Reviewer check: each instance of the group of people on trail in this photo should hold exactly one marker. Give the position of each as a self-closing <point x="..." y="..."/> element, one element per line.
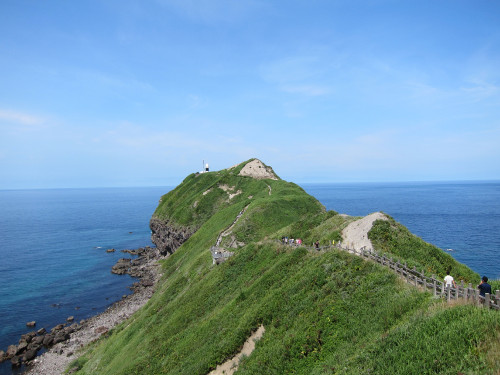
<point x="297" y="241"/>
<point x="483" y="287"/>
<point x="291" y="241"/>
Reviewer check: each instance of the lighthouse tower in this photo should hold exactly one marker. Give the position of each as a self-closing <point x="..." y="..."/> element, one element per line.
<point x="204" y="168"/>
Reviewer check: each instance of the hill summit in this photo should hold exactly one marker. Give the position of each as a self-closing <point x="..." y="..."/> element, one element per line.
<point x="256" y="169"/>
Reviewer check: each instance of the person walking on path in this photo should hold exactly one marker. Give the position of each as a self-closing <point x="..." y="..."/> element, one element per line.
<point x="449" y="281"/>
<point x="484" y="287"/>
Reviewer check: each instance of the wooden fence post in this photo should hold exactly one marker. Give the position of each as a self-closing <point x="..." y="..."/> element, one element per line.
<point x="487" y="300"/>
<point x="435" y="287"/>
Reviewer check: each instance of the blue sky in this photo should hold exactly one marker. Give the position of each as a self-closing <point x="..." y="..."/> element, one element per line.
<point x="139" y="93"/>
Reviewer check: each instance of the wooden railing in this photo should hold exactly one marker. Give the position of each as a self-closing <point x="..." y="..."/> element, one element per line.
<point x="417" y="278"/>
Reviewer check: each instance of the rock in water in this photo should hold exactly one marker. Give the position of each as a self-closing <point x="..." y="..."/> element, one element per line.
<point x="122" y="266"/>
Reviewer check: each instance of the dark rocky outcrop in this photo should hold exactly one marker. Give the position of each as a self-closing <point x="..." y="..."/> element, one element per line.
<point x="11" y="351"/>
<point x="30" y="343"/>
<point x="29" y="355"/>
<point x="166" y="236"/>
<point x="122" y="266"/>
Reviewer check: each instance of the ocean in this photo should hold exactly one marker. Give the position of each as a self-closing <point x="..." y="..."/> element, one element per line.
<point x="53" y="242"/>
<point x="53" y="255"/>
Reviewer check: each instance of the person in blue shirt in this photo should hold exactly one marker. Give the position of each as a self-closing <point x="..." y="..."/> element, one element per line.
<point x="484" y="287"/>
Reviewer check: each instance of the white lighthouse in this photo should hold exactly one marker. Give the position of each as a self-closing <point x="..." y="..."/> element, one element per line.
<point x="205" y="167"/>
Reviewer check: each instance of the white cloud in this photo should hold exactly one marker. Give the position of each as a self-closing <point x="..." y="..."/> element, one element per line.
<point x="480" y="90"/>
<point x="20" y="117"/>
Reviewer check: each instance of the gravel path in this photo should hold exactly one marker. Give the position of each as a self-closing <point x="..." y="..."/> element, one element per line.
<point x="355" y="235"/>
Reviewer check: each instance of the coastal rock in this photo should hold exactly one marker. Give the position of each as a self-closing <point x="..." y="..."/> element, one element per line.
<point x="57" y="328"/>
<point x="29" y="355"/>
<point x="31" y="324"/>
<point x="48" y="340"/>
<point x="110" y="250"/>
<point x="139" y="261"/>
<point x="122" y="266"/>
<point x="36" y="342"/>
<point x="2" y="356"/>
<point x="41" y="331"/>
<point x="147" y="283"/>
<point x="70" y="318"/>
<point x="34" y="346"/>
<point x="101" y="330"/>
<point x="21" y="347"/>
<point x="27" y="337"/>
<point x="16" y="361"/>
<point x="60" y="337"/>
<point x="136" y="272"/>
<point x="166" y="237"/>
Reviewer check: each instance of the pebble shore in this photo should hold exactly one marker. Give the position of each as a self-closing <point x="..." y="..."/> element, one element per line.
<point x="56" y="360"/>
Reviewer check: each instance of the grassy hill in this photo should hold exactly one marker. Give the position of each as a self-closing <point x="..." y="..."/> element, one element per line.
<point x="324" y="312"/>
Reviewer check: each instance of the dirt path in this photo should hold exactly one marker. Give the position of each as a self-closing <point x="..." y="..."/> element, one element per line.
<point x="355" y="235"/>
<point x="231" y="365"/>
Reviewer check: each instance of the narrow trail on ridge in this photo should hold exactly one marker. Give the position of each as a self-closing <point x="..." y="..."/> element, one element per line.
<point x="229" y="229"/>
<point x="355" y="235"/>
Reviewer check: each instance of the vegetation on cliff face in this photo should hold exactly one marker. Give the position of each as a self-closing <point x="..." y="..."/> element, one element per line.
<point x="394" y="239"/>
<point x="324" y="313"/>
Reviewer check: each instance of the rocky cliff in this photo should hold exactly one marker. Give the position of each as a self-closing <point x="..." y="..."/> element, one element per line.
<point x="166" y="236"/>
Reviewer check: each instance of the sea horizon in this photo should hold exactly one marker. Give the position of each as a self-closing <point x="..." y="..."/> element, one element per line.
<point x="300" y="183"/>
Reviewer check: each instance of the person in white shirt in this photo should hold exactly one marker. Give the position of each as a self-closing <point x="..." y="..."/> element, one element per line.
<point x="449" y="281"/>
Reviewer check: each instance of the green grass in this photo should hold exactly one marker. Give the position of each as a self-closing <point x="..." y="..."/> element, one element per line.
<point x="324" y="313"/>
<point x="395" y="240"/>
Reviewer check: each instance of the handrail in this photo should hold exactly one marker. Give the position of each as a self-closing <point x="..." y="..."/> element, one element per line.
<point x="417" y="278"/>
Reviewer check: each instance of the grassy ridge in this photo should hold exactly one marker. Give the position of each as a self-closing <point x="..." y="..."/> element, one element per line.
<point x="394" y="239"/>
<point x="324" y="313"/>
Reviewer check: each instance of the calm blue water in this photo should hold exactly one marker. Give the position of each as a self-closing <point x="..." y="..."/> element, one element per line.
<point x="463" y="216"/>
<point x="53" y="242"/>
<point x="53" y="252"/>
